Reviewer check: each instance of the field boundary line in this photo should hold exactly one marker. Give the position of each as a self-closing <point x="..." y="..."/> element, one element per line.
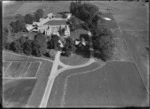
<point x="133" y="60"/>
<point x="16" y="78"/>
<point x="134" y="30"/>
<point x="38" y="68"/>
<point x="121" y="61"/>
<point x="27" y="69"/>
<point x="45" y="59"/>
<point x="71" y="75"/>
<point x="6" y="61"/>
<point x="8" y="66"/>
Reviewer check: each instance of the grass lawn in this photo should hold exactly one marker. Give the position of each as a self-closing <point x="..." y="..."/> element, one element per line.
<point x="111" y="24"/>
<point x="17" y="92"/>
<point x="76" y="34"/>
<point x="121" y="51"/>
<point x="74" y="59"/>
<point x="106" y="86"/>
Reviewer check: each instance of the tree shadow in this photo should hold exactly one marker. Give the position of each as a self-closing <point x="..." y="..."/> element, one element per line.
<point x="85" y="37"/>
<point x="83" y="52"/>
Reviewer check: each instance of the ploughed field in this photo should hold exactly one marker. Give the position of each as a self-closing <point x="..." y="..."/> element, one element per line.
<point x="24" y="80"/>
<point x="114" y="84"/>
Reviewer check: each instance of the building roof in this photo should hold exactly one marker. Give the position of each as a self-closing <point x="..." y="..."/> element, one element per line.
<point x="56" y="22"/>
<point x="29" y="27"/>
<point x="44" y="21"/>
<point x="61" y="44"/>
<point x="77" y="42"/>
<point x="43" y="27"/>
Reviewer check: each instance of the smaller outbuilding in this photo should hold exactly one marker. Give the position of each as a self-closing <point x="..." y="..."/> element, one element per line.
<point x="29" y="27"/>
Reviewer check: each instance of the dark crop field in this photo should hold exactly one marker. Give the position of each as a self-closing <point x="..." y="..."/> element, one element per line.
<point x="115" y="84"/>
<point x="17" y="92"/>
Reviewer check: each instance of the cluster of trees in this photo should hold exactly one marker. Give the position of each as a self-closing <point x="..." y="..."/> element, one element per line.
<point x="34" y="47"/>
<point x="19" y="24"/>
<point x="102" y="38"/>
<point x="85" y="12"/>
<point x="103" y="44"/>
<point x="40" y="45"/>
<point x="69" y="47"/>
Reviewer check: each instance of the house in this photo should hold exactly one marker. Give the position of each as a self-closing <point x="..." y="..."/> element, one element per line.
<point x="55" y="27"/>
<point x="79" y="43"/>
<point x="69" y="15"/>
<point x="50" y="26"/>
<point x="50" y="15"/>
<point x="61" y="44"/>
<point x="29" y="27"/>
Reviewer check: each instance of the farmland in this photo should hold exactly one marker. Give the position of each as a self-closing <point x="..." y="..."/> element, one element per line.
<point x="57" y="90"/>
<point x="99" y="86"/>
<point x="17" y="92"/>
<point x="26" y="75"/>
<point x="76" y="81"/>
<point x="106" y="86"/>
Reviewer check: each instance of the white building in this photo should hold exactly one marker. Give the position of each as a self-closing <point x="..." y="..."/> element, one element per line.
<point x="49" y="26"/>
<point x="29" y="27"/>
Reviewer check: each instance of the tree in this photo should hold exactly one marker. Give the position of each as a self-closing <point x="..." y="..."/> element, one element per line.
<point x="38" y="14"/>
<point x="85" y="11"/>
<point x="27" y="47"/>
<point x="74" y="23"/>
<point x="72" y="7"/>
<point x="103" y="46"/>
<point x="39" y="44"/>
<point x="36" y="49"/>
<point x="29" y="18"/>
<point x="18" y="25"/>
<point x="69" y="46"/>
<point x="53" y="43"/>
<point x="16" y="46"/>
<point x="5" y="36"/>
<point x="19" y="17"/>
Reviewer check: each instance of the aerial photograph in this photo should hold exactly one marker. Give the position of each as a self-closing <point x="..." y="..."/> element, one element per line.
<point x="77" y="53"/>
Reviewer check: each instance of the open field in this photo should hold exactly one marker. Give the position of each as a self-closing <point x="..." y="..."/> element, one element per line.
<point x="31" y="67"/>
<point x="105" y="86"/>
<point x="121" y="51"/>
<point x="7" y="56"/>
<point x="17" y="92"/>
<point x="56" y="95"/>
<point x="110" y="24"/>
<point x="138" y="51"/>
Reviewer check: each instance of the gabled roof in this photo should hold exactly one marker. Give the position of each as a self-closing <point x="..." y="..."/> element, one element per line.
<point x="29" y="27"/>
<point x="56" y="22"/>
